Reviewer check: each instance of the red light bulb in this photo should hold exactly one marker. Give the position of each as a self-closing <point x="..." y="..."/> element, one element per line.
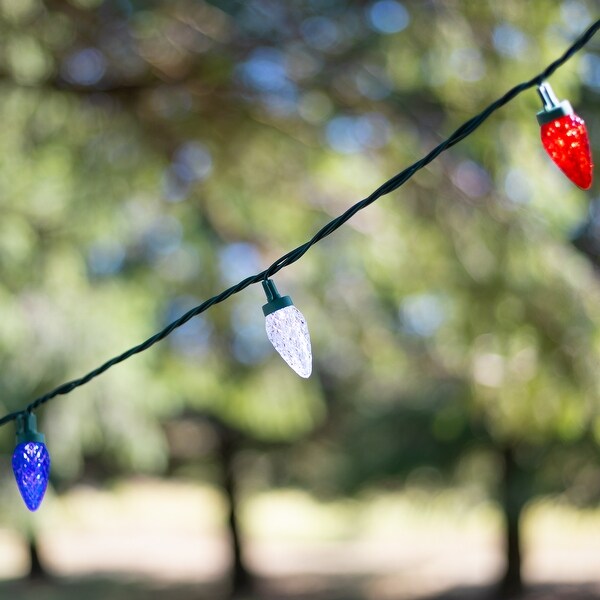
<point x="565" y="138"/>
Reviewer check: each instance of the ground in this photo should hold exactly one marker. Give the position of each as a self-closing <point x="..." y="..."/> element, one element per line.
<point x="288" y="589"/>
<point x="150" y="539"/>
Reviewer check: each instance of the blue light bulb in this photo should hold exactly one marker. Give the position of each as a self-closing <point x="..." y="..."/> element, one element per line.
<point x="30" y="462"/>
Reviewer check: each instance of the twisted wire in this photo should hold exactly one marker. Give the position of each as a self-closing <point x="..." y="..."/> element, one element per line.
<point x="291" y="257"/>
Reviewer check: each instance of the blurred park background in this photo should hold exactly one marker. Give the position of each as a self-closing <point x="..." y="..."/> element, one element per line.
<point x="153" y="153"/>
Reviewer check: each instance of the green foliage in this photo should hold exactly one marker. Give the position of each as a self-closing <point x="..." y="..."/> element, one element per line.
<point x="154" y="153"/>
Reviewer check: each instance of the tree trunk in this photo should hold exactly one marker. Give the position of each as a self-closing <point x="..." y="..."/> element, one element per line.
<point x="241" y="578"/>
<point x="36" y="570"/>
<point x="511" y="584"/>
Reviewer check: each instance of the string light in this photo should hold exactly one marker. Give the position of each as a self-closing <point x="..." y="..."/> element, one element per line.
<point x="287" y="330"/>
<point x="565" y="138"/>
<point x="30" y="461"/>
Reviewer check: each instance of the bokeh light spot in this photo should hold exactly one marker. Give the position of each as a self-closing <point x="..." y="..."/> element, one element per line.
<point x="85" y="67"/>
<point x="388" y="16"/>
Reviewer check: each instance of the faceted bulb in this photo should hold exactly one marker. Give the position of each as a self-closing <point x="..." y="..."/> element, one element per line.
<point x="31" y="466"/>
<point x="288" y="332"/>
<point x="566" y="141"/>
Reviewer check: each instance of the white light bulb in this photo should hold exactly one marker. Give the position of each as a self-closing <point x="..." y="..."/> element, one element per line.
<point x="287" y="330"/>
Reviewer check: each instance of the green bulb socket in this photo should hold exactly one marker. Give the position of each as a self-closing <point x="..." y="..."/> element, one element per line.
<point x="275" y="300"/>
<point x="553" y="108"/>
<point x="27" y="429"/>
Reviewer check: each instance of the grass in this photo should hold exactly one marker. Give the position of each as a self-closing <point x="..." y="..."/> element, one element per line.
<point x="150" y="539"/>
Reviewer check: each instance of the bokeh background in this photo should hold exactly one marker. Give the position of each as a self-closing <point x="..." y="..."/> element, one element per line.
<point x="153" y="153"/>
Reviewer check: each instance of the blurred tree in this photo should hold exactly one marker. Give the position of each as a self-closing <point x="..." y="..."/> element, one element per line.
<point x="154" y="153"/>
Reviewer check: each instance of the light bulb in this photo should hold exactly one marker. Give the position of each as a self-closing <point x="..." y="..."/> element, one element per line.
<point x="565" y="138"/>
<point x="287" y="330"/>
<point x="30" y="462"/>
